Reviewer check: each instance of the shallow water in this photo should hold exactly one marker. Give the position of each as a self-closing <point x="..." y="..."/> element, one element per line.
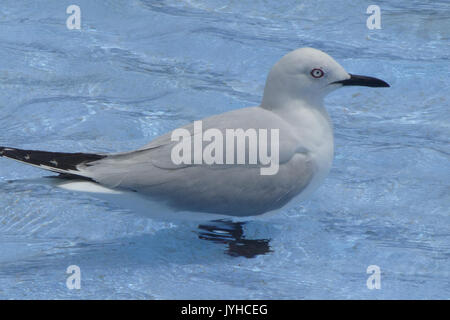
<point x="137" y="69"/>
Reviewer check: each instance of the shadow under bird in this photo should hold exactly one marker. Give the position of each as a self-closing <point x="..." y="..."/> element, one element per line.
<point x="154" y="184"/>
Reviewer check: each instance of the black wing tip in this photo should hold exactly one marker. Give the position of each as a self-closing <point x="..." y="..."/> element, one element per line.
<point x="4" y="150"/>
<point x="56" y="160"/>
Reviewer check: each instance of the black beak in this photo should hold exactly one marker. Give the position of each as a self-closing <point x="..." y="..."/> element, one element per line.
<point x="356" y="80"/>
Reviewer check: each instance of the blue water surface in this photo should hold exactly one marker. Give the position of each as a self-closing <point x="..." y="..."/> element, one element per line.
<point x="138" y="68"/>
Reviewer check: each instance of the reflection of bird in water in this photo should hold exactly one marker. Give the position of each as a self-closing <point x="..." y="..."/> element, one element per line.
<point x="232" y="234"/>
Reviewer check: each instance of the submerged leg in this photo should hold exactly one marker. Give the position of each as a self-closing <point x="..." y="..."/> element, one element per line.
<point x="232" y="234"/>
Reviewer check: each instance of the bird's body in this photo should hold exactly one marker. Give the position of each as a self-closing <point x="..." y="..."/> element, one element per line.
<point x="305" y="150"/>
<point x="237" y="190"/>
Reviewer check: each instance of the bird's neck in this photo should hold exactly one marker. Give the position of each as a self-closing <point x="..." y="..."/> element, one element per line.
<point x="294" y="105"/>
<point x="309" y="121"/>
<point x="290" y="109"/>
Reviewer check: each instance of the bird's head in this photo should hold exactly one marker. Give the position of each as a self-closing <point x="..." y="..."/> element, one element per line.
<point x="308" y="75"/>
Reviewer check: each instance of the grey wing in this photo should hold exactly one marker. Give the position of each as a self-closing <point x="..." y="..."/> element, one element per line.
<point x="228" y="189"/>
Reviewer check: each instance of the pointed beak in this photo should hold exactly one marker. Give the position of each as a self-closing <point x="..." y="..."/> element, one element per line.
<point x="356" y="80"/>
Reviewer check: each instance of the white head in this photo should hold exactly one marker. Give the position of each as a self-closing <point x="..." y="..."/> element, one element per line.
<point x="308" y="75"/>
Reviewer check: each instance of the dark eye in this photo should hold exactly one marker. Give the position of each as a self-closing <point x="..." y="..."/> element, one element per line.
<point x="317" y="73"/>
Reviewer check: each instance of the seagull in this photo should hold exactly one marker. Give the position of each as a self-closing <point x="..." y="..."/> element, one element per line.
<point x="292" y="104"/>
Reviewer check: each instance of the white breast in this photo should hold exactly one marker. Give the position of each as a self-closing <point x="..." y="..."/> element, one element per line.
<point x="314" y="131"/>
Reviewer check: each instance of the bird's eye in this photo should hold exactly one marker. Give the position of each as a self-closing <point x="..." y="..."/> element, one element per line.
<point x="317" y="73"/>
